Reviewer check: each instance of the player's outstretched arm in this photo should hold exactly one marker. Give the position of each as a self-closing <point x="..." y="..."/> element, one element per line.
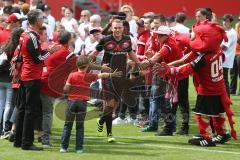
<point x="133" y="57"/>
<point x="115" y="74"/>
<point x="164" y="70"/>
<point x="103" y="68"/>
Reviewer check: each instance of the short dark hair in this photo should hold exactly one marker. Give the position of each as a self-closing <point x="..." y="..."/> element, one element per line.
<point x="33" y="15"/>
<point x="228" y="17"/>
<point x="40" y="6"/>
<point x="203" y="11"/>
<point x="170" y="19"/>
<point x="209" y="15"/>
<point x="181" y="17"/>
<point x="16" y="10"/>
<point x="64" y="37"/>
<point x="7" y="10"/>
<point x="82" y="61"/>
<point x="161" y="17"/>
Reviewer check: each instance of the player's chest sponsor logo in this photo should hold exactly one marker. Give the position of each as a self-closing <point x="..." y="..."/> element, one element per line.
<point x="125" y="45"/>
<point x="110" y="45"/>
<point x="117" y="47"/>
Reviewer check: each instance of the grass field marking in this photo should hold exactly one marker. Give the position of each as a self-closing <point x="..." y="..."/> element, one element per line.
<point x="159" y="145"/>
<point x="181" y="148"/>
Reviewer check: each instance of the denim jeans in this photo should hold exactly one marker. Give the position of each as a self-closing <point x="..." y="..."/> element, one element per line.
<point x="47" y="113"/>
<point x="157" y="100"/>
<point x="76" y="109"/>
<point x="6" y="93"/>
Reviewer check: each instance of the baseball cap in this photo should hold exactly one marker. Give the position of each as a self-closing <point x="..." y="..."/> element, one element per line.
<point x="14" y="17"/>
<point x="121" y="16"/>
<point x="93" y="30"/>
<point x="140" y="22"/>
<point x="164" y="30"/>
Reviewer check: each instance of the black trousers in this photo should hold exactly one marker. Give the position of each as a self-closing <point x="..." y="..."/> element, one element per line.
<point x="225" y="76"/>
<point x="27" y="112"/>
<point x="170" y="108"/>
<point x="183" y="100"/>
<point x="235" y="74"/>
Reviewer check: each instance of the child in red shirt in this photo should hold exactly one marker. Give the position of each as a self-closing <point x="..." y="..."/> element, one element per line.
<point x="77" y="90"/>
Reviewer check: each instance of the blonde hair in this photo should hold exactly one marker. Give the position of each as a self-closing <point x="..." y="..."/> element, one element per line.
<point x="128" y="7"/>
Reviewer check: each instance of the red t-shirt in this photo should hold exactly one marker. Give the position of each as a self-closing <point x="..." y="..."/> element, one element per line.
<point x="51" y="63"/>
<point x="153" y="43"/>
<point x="141" y="43"/>
<point x="169" y="51"/>
<point x="209" y="78"/>
<point x="4" y="35"/>
<point x="80" y="85"/>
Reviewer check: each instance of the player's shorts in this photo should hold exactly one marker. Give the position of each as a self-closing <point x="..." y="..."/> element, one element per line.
<point x="112" y="88"/>
<point x="122" y="89"/>
<point x="209" y="105"/>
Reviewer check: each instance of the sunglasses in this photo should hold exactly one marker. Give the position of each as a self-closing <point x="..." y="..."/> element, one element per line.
<point x="84" y="15"/>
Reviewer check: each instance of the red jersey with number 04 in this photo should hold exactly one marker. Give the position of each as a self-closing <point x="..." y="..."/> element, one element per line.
<point x="210" y="77"/>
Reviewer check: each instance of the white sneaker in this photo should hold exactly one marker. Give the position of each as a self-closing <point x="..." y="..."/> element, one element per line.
<point x="118" y="121"/>
<point x="5" y="135"/>
<point x="79" y="151"/>
<point x="92" y="101"/>
<point x="62" y="150"/>
<point x="132" y="121"/>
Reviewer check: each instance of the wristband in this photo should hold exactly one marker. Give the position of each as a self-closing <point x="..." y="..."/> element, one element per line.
<point x="150" y="62"/>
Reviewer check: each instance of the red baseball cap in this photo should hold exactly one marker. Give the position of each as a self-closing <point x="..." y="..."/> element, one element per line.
<point x="14" y="17"/>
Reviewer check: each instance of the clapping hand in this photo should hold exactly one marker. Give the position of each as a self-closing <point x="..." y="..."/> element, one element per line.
<point x="161" y="69"/>
<point x="116" y="73"/>
<point x="105" y="68"/>
<point x="144" y="65"/>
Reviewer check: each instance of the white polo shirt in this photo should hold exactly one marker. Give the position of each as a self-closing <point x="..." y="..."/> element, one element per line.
<point x="231" y="48"/>
<point x="180" y="28"/>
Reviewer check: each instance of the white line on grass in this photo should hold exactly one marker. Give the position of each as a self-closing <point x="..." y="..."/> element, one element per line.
<point x="181" y="148"/>
<point x="161" y="146"/>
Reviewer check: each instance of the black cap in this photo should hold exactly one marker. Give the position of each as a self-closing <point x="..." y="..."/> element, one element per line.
<point x="140" y="22"/>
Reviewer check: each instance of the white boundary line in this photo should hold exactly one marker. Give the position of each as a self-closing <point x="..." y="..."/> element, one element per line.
<point x="181" y="148"/>
<point x="201" y="149"/>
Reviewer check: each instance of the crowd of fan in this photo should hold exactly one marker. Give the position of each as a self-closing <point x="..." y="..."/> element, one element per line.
<point x="81" y="38"/>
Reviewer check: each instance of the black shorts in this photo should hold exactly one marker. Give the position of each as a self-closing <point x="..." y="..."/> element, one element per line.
<point x="209" y="105"/>
<point x="112" y="88"/>
<point x="121" y="89"/>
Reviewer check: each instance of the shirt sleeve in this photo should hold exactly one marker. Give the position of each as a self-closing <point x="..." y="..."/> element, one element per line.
<point x="69" y="80"/>
<point x="140" y="47"/>
<point x="161" y="54"/>
<point x="189" y="57"/>
<point x="34" y="49"/>
<point x="100" y="45"/>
